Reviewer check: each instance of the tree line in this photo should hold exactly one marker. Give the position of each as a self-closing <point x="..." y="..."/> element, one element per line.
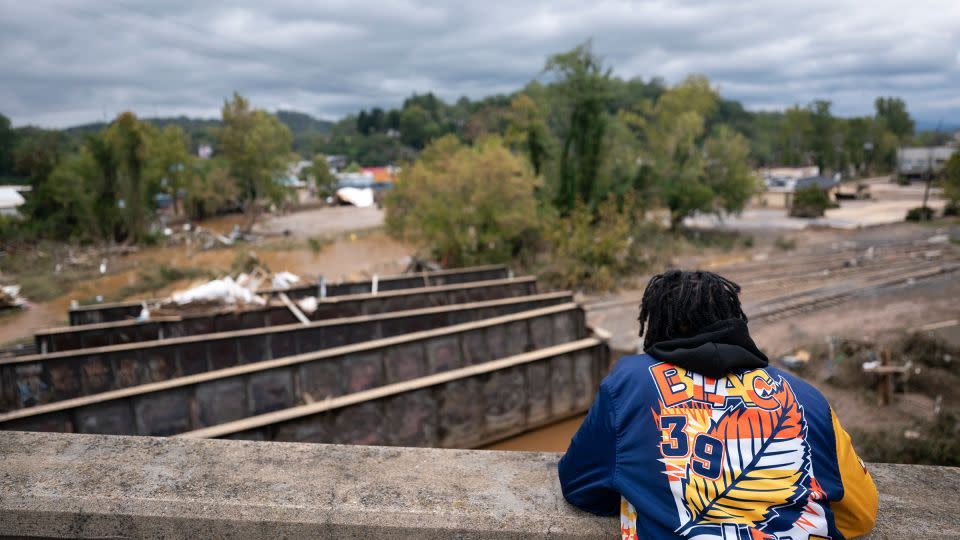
<point x="102" y="183"/>
<point x="565" y="172"/>
<point x="587" y="132"/>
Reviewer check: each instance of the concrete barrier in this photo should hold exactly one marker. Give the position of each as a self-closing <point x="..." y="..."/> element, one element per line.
<point x="205" y="399"/>
<point x="462" y="408"/>
<point x="276" y="313"/>
<point x="119" y="311"/>
<point x="94" y="486"/>
<point x="37" y="379"/>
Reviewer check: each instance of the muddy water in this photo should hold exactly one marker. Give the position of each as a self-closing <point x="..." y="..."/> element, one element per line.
<point x="552" y="438"/>
<point x="345" y="259"/>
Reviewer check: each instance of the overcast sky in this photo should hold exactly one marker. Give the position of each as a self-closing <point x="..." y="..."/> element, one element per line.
<point x="74" y="61"/>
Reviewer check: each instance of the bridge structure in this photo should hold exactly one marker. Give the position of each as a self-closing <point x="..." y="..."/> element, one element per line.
<point x="451" y="359"/>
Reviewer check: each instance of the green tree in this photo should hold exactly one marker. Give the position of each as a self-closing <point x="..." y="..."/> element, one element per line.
<point x="319" y="173"/>
<point x="691" y="173"/>
<point x="583" y="86"/>
<point x="951" y="178"/>
<point x="168" y="160"/>
<point x="795" y="135"/>
<point x="128" y="138"/>
<point x="68" y="191"/>
<point x="727" y="172"/>
<point x="257" y="147"/>
<point x="468" y="204"/>
<point x="528" y="131"/>
<point x="8" y="139"/>
<point x="821" y="134"/>
<point x="417" y="126"/>
<point x="209" y="187"/>
<point x="893" y="112"/>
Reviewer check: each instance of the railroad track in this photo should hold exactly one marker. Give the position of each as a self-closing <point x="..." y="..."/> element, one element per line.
<point x="781" y="289"/>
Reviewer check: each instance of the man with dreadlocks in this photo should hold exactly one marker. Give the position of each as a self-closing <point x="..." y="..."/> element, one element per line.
<point x="700" y="438"/>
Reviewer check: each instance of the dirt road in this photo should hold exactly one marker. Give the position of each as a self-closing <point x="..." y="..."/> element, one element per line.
<point x="323" y="221"/>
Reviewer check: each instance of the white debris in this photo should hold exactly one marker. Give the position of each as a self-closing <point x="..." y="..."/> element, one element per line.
<point x="284" y="280"/>
<point x="938" y="239"/>
<point x="308" y="304"/>
<point x="144" y="312"/>
<point x="224" y="290"/>
<point x="359" y="197"/>
<point x="10" y="297"/>
<point x="870" y="366"/>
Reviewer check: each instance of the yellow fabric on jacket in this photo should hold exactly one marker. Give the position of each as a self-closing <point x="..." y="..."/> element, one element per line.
<point x="856" y="512"/>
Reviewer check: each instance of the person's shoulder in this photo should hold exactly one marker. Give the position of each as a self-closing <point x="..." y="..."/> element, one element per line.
<point x="805" y="392"/>
<point x="628" y="369"/>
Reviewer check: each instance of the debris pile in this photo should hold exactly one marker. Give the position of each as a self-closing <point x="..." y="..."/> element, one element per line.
<point x="10" y="297"/>
<point x="225" y="292"/>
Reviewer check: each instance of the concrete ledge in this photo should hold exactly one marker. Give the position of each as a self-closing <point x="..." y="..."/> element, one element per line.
<point x="56" y="485"/>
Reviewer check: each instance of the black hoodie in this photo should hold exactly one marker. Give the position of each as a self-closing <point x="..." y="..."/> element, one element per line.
<point x="718" y="349"/>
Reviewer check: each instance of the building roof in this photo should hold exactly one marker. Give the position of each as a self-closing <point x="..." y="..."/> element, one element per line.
<point x="10" y="197"/>
<point x="823" y="182"/>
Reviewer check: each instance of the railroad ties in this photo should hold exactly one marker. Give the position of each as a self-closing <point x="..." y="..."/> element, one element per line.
<point x="456" y="363"/>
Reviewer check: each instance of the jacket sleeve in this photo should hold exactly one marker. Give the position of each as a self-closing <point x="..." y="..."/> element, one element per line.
<point x="587" y="469"/>
<point x="856" y="512"/>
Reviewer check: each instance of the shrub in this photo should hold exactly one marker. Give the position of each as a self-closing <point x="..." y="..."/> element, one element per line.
<point x="467" y="204"/>
<point x="920" y="213"/>
<point x="951" y="209"/>
<point x="809" y="202"/>
<point x="592" y="252"/>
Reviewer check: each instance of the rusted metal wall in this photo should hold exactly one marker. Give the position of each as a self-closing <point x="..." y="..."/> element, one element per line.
<point x="468" y="410"/>
<point x="33" y="380"/>
<point x="206" y="399"/>
<point x="116" y="333"/>
<point x="119" y="311"/>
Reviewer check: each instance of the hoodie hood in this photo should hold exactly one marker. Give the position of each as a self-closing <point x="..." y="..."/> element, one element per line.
<point x="720" y="348"/>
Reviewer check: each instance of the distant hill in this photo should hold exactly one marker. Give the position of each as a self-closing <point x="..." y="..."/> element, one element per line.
<point x="298" y="123"/>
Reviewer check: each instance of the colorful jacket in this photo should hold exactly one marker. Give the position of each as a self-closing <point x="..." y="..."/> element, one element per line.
<point x="735" y="450"/>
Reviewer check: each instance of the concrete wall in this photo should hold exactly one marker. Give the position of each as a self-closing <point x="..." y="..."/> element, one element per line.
<point x="119" y="311"/>
<point x="226" y="320"/>
<point x="206" y="399"/>
<point x="88" y="486"/>
<point x="36" y="379"/>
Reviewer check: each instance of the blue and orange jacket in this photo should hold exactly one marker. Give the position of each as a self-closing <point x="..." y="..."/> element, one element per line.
<point x="734" y="450"/>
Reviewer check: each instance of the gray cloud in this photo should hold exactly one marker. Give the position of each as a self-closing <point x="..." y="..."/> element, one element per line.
<point x="72" y="61"/>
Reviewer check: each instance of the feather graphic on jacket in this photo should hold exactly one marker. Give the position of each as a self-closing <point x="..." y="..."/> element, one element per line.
<point x="747" y="464"/>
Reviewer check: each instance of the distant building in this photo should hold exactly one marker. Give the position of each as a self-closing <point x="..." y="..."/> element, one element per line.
<point x="779" y="193"/>
<point x="783" y="174"/>
<point x="205" y="151"/>
<point x="337" y="161"/>
<point x="11" y="200"/>
<point x="917" y="162"/>
<point x="382" y="174"/>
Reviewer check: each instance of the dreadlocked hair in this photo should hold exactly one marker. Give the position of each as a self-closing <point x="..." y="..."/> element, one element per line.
<point x="679" y="304"/>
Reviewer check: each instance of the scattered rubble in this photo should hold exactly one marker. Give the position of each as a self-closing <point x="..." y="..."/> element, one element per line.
<point x="10" y="297"/>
